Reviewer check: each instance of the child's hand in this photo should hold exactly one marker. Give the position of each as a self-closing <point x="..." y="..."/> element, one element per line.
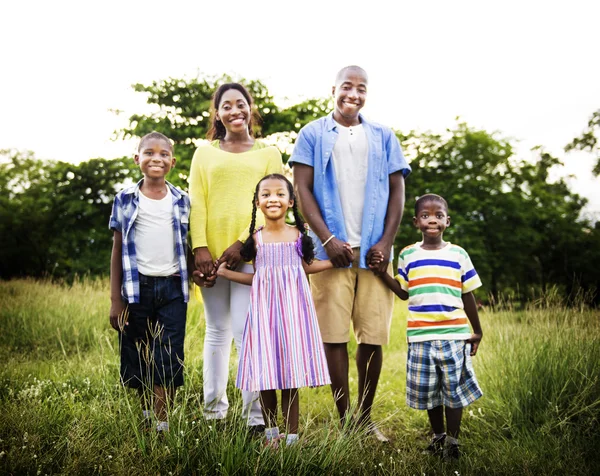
<point x="375" y="259"/>
<point x="203" y="281"/>
<point x="474" y="340"/>
<point x="222" y="268"/>
<point x="118" y="315"/>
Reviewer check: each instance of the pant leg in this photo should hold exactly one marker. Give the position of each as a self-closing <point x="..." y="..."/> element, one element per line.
<point x="217" y="349"/>
<point x="240" y="300"/>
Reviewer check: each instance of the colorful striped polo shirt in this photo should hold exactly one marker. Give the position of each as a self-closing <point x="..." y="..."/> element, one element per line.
<point x="435" y="281"/>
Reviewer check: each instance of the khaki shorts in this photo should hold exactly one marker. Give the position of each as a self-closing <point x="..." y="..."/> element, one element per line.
<point x="344" y="295"/>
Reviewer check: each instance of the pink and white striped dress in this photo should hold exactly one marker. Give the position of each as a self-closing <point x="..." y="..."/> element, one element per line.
<point x="282" y="346"/>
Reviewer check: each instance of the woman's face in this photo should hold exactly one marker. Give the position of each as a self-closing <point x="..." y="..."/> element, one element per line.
<point x="234" y="111"/>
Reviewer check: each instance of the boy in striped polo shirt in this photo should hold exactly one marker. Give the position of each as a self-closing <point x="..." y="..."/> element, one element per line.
<point x="438" y="278"/>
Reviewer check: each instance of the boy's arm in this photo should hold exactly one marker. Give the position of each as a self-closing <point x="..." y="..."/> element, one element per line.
<point x="235" y="276"/>
<point x="117" y="306"/>
<point x="471" y="311"/>
<point x="394" y="285"/>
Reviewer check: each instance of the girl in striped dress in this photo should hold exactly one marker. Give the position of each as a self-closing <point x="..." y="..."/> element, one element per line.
<point x="281" y="346"/>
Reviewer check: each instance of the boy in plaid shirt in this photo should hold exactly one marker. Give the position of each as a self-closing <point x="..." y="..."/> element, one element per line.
<point x="438" y="278"/>
<point x="149" y="279"/>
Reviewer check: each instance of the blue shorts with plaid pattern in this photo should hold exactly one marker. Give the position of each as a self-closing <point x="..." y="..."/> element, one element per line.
<point x="440" y="372"/>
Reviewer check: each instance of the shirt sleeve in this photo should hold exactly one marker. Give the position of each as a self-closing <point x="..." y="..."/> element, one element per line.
<point x="198" y="210"/>
<point x="116" y="217"/>
<point x="402" y="276"/>
<point x="304" y="148"/>
<point x="395" y="156"/>
<point x="469" y="277"/>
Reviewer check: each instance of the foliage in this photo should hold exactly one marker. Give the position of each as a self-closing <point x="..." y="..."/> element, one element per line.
<point x="588" y="140"/>
<point x="54" y="215"/>
<point x="63" y="411"/>
<point x="182" y="113"/>
<point x="521" y="230"/>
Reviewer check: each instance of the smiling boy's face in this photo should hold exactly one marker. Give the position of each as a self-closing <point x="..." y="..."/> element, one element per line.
<point x="350" y="95"/>
<point x="155" y="158"/>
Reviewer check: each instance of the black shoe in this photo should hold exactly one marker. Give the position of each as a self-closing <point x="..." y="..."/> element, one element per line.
<point x="452" y="452"/>
<point x="256" y="430"/>
<point x="436" y="446"/>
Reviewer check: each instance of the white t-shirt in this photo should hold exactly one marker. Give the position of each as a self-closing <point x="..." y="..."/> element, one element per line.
<point x="155" y="237"/>
<point x="350" y="162"/>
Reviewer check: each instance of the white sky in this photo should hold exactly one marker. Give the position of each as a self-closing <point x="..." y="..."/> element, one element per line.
<point x="528" y="69"/>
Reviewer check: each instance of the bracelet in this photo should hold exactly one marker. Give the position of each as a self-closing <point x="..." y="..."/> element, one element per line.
<point x="328" y="240"/>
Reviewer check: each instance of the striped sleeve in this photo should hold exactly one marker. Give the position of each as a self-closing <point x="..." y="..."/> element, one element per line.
<point x="469" y="277"/>
<point x="402" y="276"/>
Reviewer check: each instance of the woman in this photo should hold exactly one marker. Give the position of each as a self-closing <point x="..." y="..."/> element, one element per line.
<point x="223" y="175"/>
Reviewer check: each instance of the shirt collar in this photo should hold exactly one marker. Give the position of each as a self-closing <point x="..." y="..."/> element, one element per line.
<point x="331" y="124"/>
<point x="135" y="190"/>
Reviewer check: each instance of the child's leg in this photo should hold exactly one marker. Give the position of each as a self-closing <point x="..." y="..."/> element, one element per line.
<point x="436" y="419"/>
<point x="163" y="398"/>
<point x="453" y="419"/>
<point x="268" y="402"/>
<point x="290" y="407"/>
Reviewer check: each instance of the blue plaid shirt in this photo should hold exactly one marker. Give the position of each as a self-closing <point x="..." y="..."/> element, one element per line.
<point x="122" y="219"/>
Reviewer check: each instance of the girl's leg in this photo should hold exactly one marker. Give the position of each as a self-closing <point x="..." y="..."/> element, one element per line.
<point x="217" y="349"/>
<point x="290" y="407"/>
<point x="239" y="302"/>
<point x="268" y="401"/>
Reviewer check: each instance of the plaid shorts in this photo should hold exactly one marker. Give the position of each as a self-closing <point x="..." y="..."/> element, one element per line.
<point x="440" y="372"/>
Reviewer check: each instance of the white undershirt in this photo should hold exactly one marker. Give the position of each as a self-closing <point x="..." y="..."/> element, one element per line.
<point x="350" y="162"/>
<point x="155" y="237"/>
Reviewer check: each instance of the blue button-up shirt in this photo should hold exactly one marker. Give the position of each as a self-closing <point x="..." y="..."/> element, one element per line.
<point x="314" y="147"/>
<point x="122" y="219"/>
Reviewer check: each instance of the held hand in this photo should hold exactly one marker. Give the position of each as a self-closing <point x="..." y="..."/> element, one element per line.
<point x="118" y="315"/>
<point x="474" y="340"/>
<point x="222" y="269"/>
<point x="203" y="281"/>
<point x="231" y="256"/>
<point x="381" y="253"/>
<point x="339" y="253"/>
<point x="203" y="262"/>
<point x="374" y="259"/>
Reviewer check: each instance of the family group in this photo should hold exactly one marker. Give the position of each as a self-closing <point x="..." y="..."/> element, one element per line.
<point x="231" y="237"/>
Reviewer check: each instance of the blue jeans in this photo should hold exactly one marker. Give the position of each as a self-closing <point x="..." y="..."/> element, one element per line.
<point x="152" y="342"/>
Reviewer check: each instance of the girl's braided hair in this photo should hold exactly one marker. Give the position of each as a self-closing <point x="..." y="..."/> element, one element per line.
<point x="248" y="250"/>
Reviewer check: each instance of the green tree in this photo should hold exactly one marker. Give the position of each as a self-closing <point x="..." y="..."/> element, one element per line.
<point x="181" y="112"/>
<point x="588" y="140"/>
<point x="519" y="228"/>
<point x="54" y="215"/>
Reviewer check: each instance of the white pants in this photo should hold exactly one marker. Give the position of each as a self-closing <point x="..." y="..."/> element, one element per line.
<point x="225" y="310"/>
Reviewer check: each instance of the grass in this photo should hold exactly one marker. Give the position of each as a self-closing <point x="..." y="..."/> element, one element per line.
<point x="62" y="410"/>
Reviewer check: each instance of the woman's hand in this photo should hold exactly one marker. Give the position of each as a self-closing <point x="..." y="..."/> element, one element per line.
<point x="204" y="262"/>
<point x="231" y="256"/>
<point x="203" y="281"/>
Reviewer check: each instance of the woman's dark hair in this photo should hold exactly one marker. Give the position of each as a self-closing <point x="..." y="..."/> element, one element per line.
<point x="217" y="129"/>
<point x="248" y="250"/>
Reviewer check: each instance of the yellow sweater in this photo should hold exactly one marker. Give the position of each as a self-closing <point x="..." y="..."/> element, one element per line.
<point x="221" y="189"/>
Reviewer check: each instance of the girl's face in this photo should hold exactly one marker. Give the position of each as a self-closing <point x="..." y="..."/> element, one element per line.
<point x="234" y="111"/>
<point x="274" y="199"/>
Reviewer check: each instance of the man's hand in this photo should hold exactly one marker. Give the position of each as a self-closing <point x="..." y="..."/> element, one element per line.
<point x="380" y="252"/>
<point x="339" y="253"/>
<point x="474" y="340"/>
<point x="118" y="315"/>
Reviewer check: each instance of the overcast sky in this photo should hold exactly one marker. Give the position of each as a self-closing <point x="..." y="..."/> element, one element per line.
<point x="528" y="69"/>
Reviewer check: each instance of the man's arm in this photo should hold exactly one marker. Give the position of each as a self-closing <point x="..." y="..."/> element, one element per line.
<point x="339" y="254"/>
<point x="393" y="217"/>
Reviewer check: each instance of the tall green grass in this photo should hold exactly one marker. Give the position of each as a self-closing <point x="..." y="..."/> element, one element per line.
<point x="62" y="410"/>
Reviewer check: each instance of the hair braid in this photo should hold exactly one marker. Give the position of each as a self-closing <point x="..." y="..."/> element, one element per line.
<point x="248" y="251"/>
<point x="308" y="247"/>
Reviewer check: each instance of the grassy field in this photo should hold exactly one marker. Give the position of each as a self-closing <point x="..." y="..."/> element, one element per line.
<point x="62" y="410"/>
